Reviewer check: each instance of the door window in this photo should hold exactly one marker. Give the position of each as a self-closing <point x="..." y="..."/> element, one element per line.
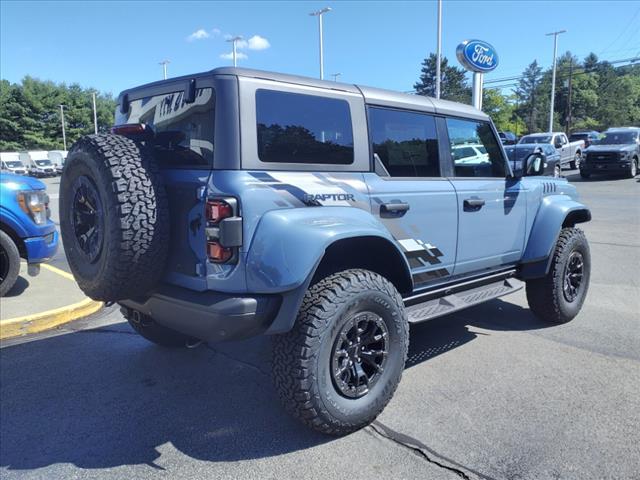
<point x="405" y="142"/>
<point x="475" y="149"/>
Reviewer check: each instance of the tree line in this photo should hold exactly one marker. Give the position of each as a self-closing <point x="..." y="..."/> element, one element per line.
<point x="590" y="94"/>
<point x="30" y="117"/>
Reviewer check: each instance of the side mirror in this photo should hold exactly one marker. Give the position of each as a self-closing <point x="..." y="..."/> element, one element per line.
<point x="535" y="164"/>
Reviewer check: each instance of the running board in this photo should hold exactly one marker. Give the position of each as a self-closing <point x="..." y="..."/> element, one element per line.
<point x="461" y="300"/>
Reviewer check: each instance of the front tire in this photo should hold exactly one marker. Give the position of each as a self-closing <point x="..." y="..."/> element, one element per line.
<point x="558" y="296"/>
<point x="633" y="168"/>
<point x="341" y="363"/>
<point x="9" y="263"/>
<point x="585" y="175"/>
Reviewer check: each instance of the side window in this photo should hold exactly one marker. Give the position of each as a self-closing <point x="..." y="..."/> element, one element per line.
<point x="183" y="132"/>
<point x="475" y="149"/>
<point x="405" y="142"/>
<point x="299" y="128"/>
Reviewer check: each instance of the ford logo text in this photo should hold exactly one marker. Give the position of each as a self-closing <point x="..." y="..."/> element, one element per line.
<point x="477" y="56"/>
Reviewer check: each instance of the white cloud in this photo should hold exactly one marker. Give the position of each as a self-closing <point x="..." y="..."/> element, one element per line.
<point x="199" y="34"/>
<point x="258" y="43"/>
<point x="229" y="56"/>
<point x="216" y="32"/>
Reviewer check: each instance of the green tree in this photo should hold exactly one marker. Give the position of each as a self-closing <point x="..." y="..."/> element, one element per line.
<point x="453" y="83"/>
<point x="497" y="106"/>
<point x="528" y="108"/>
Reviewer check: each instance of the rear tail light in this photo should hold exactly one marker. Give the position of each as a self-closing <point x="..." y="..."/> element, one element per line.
<point x="224" y="229"/>
<point x="217" y="253"/>
<point x="218" y="210"/>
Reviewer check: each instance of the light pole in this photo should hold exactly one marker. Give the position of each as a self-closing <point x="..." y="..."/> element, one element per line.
<point x="335" y="76"/>
<point x="439" y="49"/>
<point x="95" y="114"/>
<point x="319" y="14"/>
<point x="553" y="75"/>
<point x="164" y="64"/>
<point x="64" y="135"/>
<point x="235" y="41"/>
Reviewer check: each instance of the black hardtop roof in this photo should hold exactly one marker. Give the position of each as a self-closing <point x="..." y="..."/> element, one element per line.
<point x="371" y="95"/>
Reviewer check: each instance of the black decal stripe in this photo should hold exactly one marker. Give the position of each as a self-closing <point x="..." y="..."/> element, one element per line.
<point x="431" y="275"/>
<point x="276" y="184"/>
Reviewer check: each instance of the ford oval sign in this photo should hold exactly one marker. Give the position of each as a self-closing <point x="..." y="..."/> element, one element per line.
<point x="477" y="56"/>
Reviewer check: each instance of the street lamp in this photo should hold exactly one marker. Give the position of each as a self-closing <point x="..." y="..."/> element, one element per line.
<point x="553" y="75"/>
<point x="235" y="41"/>
<point x="164" y="64"/>
<point x="335" y="76"/>
<point x="439" y="49"/>
<point x="319" y="14"/>
<point x="64" y="135"/>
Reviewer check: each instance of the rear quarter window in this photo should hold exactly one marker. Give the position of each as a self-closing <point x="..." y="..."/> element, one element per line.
<point x="300" y="128"/>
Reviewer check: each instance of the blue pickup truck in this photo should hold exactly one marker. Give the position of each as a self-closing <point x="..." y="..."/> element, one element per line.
<point x="236" y="202"/>
<point x="25" y="228"/>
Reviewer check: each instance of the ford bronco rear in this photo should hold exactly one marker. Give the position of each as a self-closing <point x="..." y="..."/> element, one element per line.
<point x="235" y="203"/>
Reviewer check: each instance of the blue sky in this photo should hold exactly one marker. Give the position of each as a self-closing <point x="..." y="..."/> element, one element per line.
<point x="115" y="45"/>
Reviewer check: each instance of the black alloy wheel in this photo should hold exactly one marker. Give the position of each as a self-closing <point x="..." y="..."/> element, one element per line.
<point x="87" y="218"/>
<point x="573" y="274"/>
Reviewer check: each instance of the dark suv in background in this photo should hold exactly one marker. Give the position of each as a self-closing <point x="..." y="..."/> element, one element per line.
<point x="589" y="137"/>
<point x="617" y="152"/>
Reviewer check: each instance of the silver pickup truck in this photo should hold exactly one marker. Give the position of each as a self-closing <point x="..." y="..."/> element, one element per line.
<point x="570" y="152"/>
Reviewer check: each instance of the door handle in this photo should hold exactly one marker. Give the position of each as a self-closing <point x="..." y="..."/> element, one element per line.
<point x="473" y="204"/>
<point x="393" y="210"/>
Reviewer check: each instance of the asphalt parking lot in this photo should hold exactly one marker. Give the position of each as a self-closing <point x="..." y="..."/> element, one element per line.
<point x="488" y="393"/>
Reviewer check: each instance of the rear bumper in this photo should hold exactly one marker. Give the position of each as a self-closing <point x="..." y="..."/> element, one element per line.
<point x="210" y="316"/>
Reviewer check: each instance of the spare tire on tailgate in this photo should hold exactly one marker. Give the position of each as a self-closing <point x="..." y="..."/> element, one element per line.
<point x="113" y="217"/>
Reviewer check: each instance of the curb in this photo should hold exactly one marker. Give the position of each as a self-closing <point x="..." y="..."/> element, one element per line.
<point x="38" y="322"/>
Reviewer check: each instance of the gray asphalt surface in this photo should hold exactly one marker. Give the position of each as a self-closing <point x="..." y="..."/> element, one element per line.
<point x="488" y="393"/>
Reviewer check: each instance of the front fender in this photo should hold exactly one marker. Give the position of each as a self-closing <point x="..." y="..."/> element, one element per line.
<point x="14" y="222"/>
<point x="551" y="216"/>
<point x="288" y="244"/>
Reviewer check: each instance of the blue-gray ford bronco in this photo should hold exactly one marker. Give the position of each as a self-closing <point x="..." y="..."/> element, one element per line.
<point x="236" y="203"/>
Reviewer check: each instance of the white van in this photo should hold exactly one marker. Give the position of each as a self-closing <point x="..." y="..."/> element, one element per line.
<point x="58" y="158"/>
<point x="10" y="163"/>
<point x="38" y="163"/>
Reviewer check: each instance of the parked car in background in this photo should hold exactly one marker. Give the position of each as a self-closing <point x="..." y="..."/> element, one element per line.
<point x="508" y="138"/>
<point x="617" y="152"/>
<point x="588" y="137"/>
<point x="518" y="155"/>
<point x="57" y="158"/>
<point x="10" y="163"/>
<point x="25" y="227"/>
<point x="570" y="152"/>
<point x="38" y="163"/>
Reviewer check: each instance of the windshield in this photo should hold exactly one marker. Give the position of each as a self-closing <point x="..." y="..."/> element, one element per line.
<point x="535" y="139"/>
<point x="14" y="164"/>
<point x="43" y="163"/>
<point x="618" y="138"/>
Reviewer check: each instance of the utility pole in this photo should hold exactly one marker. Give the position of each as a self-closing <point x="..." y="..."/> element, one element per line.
<point x="235" y="41"/>
<point x="64" y="135"/>
<point x="553" y="75"/>
<point x="335" y="76"/>
<point x="95" y="114"/>
<point x="439" y="49"/>
<point x="569" y="96"/>
<point x="164" y="64"/>
<point x="319" y="14"/>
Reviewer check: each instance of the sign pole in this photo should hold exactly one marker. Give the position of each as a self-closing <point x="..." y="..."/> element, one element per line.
<point x="476" y="91"/>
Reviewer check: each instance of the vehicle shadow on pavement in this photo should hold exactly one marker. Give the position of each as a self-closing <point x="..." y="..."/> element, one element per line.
<point x="106" y="397"/>
<point x="20" y="286"/>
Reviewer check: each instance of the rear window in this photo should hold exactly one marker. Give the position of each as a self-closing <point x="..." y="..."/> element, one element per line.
<point x="183" y="132"/>
<point x="299" y="128"/>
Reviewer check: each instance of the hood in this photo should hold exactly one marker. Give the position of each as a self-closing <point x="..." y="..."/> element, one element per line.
<point x="20" y="182"/>
<point x="611" y="148"/>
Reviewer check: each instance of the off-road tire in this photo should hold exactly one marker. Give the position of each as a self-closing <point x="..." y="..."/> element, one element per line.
<point x="148" y="328"/>
<point x="301" y="366"/>
<point x="545" y="295"/>
<point x="136" y="225"/>
<point x="9" y="263"/>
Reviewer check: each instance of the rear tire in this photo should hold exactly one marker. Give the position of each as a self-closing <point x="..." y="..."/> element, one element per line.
<point x="329" y="370"/>
<point x="148" y="328"/>
<point x="575" y="163"/>
<point x="114" y="217"/>
<point x="9" y="263"/>
<point x="558" y="296"/>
